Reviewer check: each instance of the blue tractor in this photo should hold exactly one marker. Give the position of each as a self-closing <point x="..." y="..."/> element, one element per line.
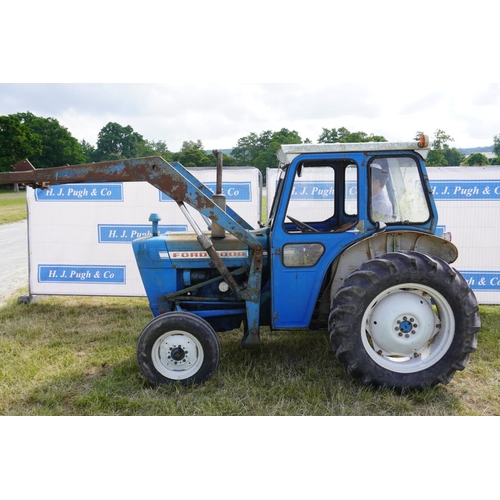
<point x="350" y="245"/>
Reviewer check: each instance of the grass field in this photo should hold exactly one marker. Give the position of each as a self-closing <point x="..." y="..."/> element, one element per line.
<point x="12" y="206"/>
<point x="76" y="356"/>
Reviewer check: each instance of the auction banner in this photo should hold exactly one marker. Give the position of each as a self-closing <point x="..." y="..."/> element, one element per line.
<point x="468" y="203"/>
<point x="80" y="235"/>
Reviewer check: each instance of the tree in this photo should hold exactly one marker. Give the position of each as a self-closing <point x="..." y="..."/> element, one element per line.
<point x="453" y="156"/>
<point x="441" y="155"/>
<point x="496" y="145"/>
<point x="343" y="135"/>
<point x="251" y="146"/>
<point x="192" y="146"/>
<point x="260" y="150"/>
<point x="17" y="142"/>
<point x="285" y="136"/>
<point x="229" y="161"/>
<point x="159" y="148"/>
<point x="267" y="158"/>
<point x="155" y="148"/>
<point x="115" y="142"/>
<point x="441" y="139"/>
<point x="57" y="145"/>
<point x="193" y="155"/>
<point x="436" y="158"/>
<point x="477" y="160"/>
<point x="88" y="151"/>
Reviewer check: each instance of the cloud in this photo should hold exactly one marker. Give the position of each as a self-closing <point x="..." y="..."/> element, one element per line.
<point x="219" y="114"/>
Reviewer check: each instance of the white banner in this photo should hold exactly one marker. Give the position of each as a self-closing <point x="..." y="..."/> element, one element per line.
<point x="80" y="235"/>
<point x="468" y="203"/>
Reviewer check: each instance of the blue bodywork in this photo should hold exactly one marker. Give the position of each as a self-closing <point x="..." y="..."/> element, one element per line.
<point x="179" y="275"/>
<point x="245" y="276"/>
<point x="296" y="290"/>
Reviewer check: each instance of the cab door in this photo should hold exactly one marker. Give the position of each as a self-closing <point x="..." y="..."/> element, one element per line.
<point x="315" y="218"/>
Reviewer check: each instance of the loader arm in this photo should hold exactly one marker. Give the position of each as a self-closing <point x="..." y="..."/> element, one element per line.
<point x="174" y="181"/>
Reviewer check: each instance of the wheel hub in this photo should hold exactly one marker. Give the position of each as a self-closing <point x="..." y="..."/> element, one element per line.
<point x="405" y="326"/>
<point x="177" y="352"/>
<point x="402" y="324"/>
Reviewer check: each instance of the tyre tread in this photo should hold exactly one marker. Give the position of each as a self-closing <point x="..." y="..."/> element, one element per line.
<point x="397" y="268"/>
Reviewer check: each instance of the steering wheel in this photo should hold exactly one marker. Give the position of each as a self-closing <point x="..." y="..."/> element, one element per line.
<point x="302" y="226"/>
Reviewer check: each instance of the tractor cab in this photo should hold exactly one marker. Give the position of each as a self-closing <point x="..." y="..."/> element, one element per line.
<point x="328" y="198"/>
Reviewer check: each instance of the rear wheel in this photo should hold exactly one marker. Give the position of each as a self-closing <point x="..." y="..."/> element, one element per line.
<point x="405" y="320"/>
<point x="178" y="347"/>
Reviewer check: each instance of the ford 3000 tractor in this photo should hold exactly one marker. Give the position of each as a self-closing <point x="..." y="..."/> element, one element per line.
<point x="365" y="262"/>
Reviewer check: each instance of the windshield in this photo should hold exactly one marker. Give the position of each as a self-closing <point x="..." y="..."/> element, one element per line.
<point x="397" y="193"/>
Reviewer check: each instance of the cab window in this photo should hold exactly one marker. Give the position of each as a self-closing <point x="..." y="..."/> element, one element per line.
<point x="397" y="194"/>
<point x="324" y="198"/>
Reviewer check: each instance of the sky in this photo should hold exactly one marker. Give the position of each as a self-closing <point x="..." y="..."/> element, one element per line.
<point x="219" y="114"/>
<point x="416" y="67"/>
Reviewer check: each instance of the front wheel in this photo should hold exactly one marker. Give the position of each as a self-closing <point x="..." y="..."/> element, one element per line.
<point x="178" y="347"/>
<point x="404" y="320"/>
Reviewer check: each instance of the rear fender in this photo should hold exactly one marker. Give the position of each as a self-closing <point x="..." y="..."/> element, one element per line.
<point x="379" y="244"/>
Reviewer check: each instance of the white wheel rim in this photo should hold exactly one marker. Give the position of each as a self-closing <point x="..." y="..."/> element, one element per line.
<point x="408" y="328"/>
<point x="177" y="355"/>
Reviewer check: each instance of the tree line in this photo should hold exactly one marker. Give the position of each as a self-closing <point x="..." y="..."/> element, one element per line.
<point x="47" y="144"/>
<point x="443" y="155"/>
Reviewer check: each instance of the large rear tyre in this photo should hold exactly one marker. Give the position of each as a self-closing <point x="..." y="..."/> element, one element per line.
<point x="404" y="321"/>
<point x="178" y="347"/>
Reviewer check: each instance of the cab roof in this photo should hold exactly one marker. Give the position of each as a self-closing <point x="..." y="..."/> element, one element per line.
<point x="288" y="152"/>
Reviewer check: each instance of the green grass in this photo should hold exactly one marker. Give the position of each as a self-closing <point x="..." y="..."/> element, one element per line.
<point x="76" y="356"/>
<point x="12" y="206"/>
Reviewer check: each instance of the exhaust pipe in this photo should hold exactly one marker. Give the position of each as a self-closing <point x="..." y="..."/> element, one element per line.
<point x="218" y="198"/>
